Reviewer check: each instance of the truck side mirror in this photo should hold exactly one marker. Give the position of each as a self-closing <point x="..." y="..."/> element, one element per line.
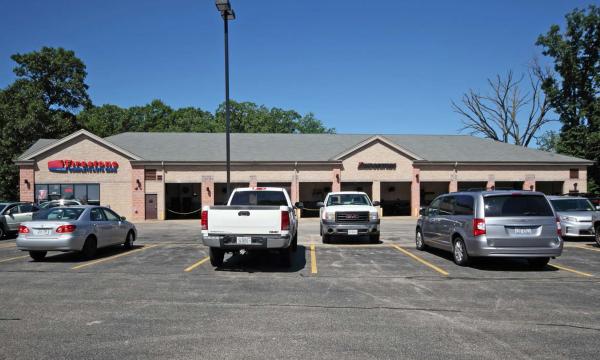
<point x="299" y="205"/>
<point x="320" y="204"/>
<point x="376" y="203"/>
<point x="423" y="211"/>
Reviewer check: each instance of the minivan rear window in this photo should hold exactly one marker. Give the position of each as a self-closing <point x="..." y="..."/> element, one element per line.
<point x="267" y="198"/>
<point x="516" y="205"/>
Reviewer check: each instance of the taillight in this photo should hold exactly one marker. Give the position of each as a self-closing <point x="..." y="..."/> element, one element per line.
<point x="204" y="220"/>
<point x="65" y="229"/>
<point x="478" y="227"/>
<point x="558" y="227"/>
<point x="285" y="220"/>
<point x="23" y="229"/>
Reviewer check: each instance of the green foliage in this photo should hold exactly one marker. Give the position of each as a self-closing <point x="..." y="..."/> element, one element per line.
<point x="548" y="141"/>
<point x="574" y="90"/>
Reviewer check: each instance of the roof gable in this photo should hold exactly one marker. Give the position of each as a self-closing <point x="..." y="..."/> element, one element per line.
<point x="376" y="139"/>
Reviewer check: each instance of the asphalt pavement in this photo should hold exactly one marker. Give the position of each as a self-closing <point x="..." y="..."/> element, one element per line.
<point x="347" y="300"/>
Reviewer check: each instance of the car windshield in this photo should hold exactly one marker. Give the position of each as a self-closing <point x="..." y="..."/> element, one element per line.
<point x="60" y="214"/>
<point x="266" y="198"/>
<point x="565" y="205"/>
<point x="348" y="199"/>
<point x="516" y="205"/>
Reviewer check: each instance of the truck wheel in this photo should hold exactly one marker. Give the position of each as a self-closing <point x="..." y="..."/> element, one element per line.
<point x="216" y="256"/>
<point x="37" y="255"/>
<point x="326" y="238"/>
<point x="295" y="243"/>
<point x="374" y="239"/>
<point x="286" y="256"/>
<point x="419" y="243"/>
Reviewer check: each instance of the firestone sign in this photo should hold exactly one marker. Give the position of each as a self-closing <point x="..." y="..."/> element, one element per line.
<point x="77" y="166"/>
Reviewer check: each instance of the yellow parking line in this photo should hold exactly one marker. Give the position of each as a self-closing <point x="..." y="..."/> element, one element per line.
<point x="94" y="262"/>
<point x="351" y="245"/>
<point x="560" y="267"/>
<point x="421" y="260"/>
<point x="588" y="247"/>
<point x="313" y="259"/>
<point x="13" y="258"/>
<point x="195" y="265"/>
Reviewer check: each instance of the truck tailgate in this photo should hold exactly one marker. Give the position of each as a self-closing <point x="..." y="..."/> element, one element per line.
<point x="259" y="220"/>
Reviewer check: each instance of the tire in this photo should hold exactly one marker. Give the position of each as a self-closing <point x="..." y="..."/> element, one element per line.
<point x="597" y="237"/>
<point x="374" y="239"/>
<point x="538" y="263"/>
<point x="459" y="252"/>
<point x="2" y="232"/>
<point x="321" y="230"/>
<point x="326" y="238"/>
<point x="38" y="255"/>
<point x="294" y="244"/>
<point x="128" y="244"/>
<point x="216" y="256"/>
<point x="419" y="242"/>
<point x="89" y="248"/>
<point x="286" y="256"/>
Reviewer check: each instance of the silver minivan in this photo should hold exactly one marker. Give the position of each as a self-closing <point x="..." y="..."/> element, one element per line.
<point x="491" y="224"/>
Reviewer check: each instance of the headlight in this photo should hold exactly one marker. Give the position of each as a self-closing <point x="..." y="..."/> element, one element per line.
<point x="568" y="218"/>
<point x="374" y="216"/>
<point x="330" y="216"/>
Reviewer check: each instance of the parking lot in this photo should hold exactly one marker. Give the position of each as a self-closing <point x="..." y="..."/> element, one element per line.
<point x="338" y="301"/>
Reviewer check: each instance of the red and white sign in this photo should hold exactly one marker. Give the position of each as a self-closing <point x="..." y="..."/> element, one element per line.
<point x="82" y="166"/>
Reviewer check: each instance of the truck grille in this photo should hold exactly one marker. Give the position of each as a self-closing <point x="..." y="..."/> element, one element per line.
<point x="352" y="217"/>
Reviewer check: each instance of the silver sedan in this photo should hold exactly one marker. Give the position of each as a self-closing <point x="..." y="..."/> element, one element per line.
<point x="82" y="228"/>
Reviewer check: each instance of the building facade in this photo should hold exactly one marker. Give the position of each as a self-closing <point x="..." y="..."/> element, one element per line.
<point x="147" y="176"/>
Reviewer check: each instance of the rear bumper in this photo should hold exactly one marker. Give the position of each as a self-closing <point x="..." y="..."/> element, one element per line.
<point x="228" y="242"/>
<point x="477" y="248"/>
<point x="60" y="243"/>
<point x="367" y="228"/>
<point x="577" y="229"/>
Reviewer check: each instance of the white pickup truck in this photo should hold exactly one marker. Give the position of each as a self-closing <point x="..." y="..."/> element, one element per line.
<point x="349" y="213"/>
<point x="258" y="218"/>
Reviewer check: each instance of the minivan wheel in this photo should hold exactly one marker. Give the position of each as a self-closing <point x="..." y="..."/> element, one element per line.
<point x="459" y="253"/>
<point x="419" y="243"/>
<point x="216" y="256"/>
<point x="89" y="248"/>
<point x="597" y="235"/>
<point x="2" y="233"/>
<point x="538" y="263"/>
<point x="38" y="255"/>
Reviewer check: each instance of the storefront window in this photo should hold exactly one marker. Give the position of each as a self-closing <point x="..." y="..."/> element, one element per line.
<point x="93" y="194"/>
<point x="66" y="191"/>
<point x="53" y="192"/>
<point x="86" y="193"/>
<point x="81" y="192"/>
<point x="41" y="192"/>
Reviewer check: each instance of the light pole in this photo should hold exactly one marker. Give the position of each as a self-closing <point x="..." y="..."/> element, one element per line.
<point x="227" y="14"/>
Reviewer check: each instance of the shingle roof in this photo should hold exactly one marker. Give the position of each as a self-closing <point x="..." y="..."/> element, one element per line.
<point x="37" y="146"/>
<point x="192" y="147"/>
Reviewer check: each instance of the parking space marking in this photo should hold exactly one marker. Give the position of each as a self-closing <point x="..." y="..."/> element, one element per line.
<point x="421" y="260"/>
<point x="6" y="246"/>
<point x="94" y="262"/>
<point x="560" y="267"/>
<point x="351" y="245"/>
<point x="313" y="259"/>
<point x="13" y="258"/>
<point x="195" y="265"/>
<point x="588" y="247"/>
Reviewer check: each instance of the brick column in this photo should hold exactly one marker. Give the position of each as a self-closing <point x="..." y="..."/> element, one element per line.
<point x="376" y="193"/>
<point x="26" y="183"/>
<point x="336" y="182"/>
<point x="453" y="185"/>
<point x="138" y="210"/>
<point x="529" y="183"/>
<point x="491" y="183"/>
<point x="415" y="192"/>
<point x="253" y="182"/>
<point x="295" y="192"/>
<point x="208" y="191"/>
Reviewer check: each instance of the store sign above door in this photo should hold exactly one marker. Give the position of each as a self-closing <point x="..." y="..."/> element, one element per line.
<point x="376" y="166"/>
<point x="76" y="166"/>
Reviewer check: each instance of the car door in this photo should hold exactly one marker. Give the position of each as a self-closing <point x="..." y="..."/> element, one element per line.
<point x="102" y="228"/>
<point x="26" y="212"/>
<point x="118" y="228"/>
<point x="14" y="217"/>
<point x="430" y="220"/>
<point x="446" y="221"/>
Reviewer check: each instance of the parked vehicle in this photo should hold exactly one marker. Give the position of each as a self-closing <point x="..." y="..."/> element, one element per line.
<point x="492" y="224"/>
<point x="349" y="213"/>
<point x="82" y="228"/>
<point x="575" y="215"/>
<point x="13" y="214"/>
<point x="60" y="202"/>
<point x="261" y="218"/>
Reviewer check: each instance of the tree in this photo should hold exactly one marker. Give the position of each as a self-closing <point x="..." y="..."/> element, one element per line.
<point x="573" y="88"/>
<point x="508" y="114"/>
<point x="105" y="120"/>
<point x="50" y="83"/>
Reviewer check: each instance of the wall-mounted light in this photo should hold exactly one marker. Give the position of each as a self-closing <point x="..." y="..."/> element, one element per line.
<point x="417" y="177"/>
<point x="337" y="178"/>
<point x="208" y="191"/>
<point x="139" y="184"/>
<point x="27" y="183"/>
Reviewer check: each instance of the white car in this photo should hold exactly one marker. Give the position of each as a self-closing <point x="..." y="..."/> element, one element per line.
<point x="257" y="218"/>
<point x="349" y="213"/>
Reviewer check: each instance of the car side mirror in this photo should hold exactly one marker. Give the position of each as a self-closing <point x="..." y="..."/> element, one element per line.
<point x="123" y="218"/>
<point x="423" y="211"/>
<point x="320" y="204"/>
<point x="299" y="205"/>
<point x="376" y="203"/>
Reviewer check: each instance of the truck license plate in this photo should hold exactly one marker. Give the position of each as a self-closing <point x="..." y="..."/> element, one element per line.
<point x="42" y="232"/>
<point x="244" y="240"/>
<point x="352" y="232"/>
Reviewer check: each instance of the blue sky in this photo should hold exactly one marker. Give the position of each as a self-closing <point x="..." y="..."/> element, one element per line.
<point x="380" y="66"/>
